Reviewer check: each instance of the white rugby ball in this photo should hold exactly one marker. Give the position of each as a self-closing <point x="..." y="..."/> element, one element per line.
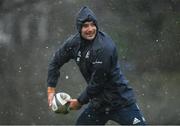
<point x="60" y="104"/>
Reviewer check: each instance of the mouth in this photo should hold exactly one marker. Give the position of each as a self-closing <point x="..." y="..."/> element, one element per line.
<point x="90" y="34"/>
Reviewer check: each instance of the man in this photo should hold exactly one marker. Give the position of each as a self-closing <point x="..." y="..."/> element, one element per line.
<point x="107" y="92"/>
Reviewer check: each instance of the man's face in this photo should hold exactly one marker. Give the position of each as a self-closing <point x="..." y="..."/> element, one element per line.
<point x="88" y="30"/>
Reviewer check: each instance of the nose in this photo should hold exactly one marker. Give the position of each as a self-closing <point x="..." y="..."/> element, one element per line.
<point x="90" y="28"/>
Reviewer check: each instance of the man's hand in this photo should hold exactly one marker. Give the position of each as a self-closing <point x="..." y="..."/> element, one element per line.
<point x="50" y="93"/>
<point x="74" y="104"/>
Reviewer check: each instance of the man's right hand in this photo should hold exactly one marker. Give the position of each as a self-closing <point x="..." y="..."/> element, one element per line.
<point x="50" y="93"/>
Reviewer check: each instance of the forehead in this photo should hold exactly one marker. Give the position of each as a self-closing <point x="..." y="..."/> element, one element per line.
<point x="88" y="22"/>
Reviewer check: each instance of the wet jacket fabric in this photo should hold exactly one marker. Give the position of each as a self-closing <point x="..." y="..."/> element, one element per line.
<point x="98" y="63"/>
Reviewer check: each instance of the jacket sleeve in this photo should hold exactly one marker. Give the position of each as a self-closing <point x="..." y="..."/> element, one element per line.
<point x="60" y="57"/>
<point x="95" y="85"/>
<point x="115" y="73"/>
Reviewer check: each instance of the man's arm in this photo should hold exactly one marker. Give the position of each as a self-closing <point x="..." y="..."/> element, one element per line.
<point x="115" y="73"/>
<point x="93" y="89"/>
<point x="95" y="85"/>
<point x="108" y="69"/>
<point x="61" y="56"/>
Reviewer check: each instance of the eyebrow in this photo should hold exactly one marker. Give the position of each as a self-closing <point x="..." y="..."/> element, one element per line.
<point x="88" y="22"/>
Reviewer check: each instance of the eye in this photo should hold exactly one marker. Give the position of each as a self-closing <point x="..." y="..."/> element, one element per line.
<point x="93" y="24"/>
<point x="85" y="25"/>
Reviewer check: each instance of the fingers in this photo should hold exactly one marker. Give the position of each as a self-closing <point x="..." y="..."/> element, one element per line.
<point x="50" y="93"/>
<point x="70" y="101"/>
<point x="50" y="98"/>
<point x="74" y="104"/>
<point x="49" y="103"/>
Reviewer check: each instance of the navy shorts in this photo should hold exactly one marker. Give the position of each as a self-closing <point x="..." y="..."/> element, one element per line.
<point x="130" y="115"/>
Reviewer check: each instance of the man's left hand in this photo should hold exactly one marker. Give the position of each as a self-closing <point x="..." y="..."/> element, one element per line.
<point x="74" y="104"/>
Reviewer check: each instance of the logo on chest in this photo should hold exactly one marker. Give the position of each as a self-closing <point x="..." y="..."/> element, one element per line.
<point x="79" y="56"/>
<point x="87" y="54"/>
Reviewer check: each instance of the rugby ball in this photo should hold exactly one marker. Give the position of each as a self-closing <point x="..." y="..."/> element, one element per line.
<point x="60" y="104"/>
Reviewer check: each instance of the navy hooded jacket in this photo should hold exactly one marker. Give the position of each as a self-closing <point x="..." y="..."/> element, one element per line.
<point x="98" y="63"/>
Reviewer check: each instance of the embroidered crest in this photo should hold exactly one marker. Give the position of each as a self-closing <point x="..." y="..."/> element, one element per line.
<point x="87" y="54"/>
<point x="135" y="121"/>
<point x="78" y="56"/>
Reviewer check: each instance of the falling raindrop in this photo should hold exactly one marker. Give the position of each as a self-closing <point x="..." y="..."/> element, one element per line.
<point x="67" y="77"/>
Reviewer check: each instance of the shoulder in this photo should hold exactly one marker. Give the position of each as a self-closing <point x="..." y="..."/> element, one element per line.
<point x="71" y="42"/>
<point x="107" y="42"/>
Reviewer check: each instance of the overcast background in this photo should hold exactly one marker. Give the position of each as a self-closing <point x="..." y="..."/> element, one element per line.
<point x="146" y="32"/>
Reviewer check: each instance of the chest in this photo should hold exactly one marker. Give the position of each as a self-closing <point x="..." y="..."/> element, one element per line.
<point x="88" y="57"/>
<point x="84" y="56"/>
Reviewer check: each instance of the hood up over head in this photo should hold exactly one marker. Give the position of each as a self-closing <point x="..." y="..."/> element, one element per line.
<point x="85" y="14"/>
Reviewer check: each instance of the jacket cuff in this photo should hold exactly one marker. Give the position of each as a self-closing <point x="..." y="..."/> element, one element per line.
<point x="49" y="84"/>
<point x="83" y="98"/>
